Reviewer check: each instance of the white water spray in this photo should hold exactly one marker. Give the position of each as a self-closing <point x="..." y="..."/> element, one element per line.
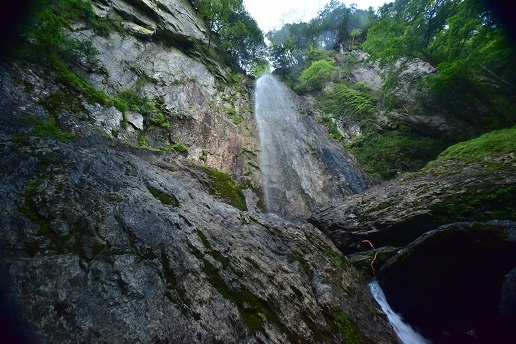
<point x="301" y="166"/>
<point x="406" y="333"/>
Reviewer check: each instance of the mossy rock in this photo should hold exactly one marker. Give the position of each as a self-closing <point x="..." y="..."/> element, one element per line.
<point x="223" y="188"/>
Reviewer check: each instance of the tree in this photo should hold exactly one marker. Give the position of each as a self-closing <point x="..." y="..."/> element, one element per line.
<point x="354" y="34"/>
<point x="243" y="39"/>
<point x="467" y="45"/>
<point x="216" y="14"/>
<point x="315" y="77"/>
<point x="456" y="37"/>
<point x="234" y="29"/>
<point x="290" y="45"/>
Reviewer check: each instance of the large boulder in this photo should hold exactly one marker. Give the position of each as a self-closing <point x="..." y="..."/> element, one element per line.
<point x="455" y="283"/>
<point x="104" y="243"/>
<point x="397" y="212"/>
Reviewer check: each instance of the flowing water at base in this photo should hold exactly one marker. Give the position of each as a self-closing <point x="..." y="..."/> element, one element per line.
<point x="405" y="332"/>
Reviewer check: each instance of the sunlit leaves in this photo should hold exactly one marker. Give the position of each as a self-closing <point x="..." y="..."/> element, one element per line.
<point x="316" y="76"/>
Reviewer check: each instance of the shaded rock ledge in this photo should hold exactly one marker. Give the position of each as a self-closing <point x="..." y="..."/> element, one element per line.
<point x="397" y="212"/>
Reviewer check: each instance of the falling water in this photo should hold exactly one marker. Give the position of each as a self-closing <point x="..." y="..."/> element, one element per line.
<point x="405" y="332"/>
<point x="301" y="166"/>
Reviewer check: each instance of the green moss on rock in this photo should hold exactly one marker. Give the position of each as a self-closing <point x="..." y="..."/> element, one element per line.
<point x="223" y="188"/>
<point x="478" y="205"/>
<point x="340" y="323"/>
<point x="492" y="144"/>
<point x="163" y="197"/>
<point x="48" y="128"/>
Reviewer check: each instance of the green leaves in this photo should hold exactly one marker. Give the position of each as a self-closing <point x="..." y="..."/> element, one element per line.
<point x="315" y="77"/>
<point x="466" y="44"/>
<point x="455" y="36"/>
<point x="234" y="30"/>
<point x="346" y="103"/>
<point x="335" y="25"/>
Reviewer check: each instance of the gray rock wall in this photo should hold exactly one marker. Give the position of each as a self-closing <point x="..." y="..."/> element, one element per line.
<point x="99" y="244"/>
<point x="167" y="19"/>
<point x="103" y="238"/>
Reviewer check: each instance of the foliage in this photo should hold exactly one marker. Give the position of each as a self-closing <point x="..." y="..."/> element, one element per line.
<point x="235" y="31"/>
<point x="492" y="144"/>
<point x="340" y="323"/>
<point x="478" y="205"/>
<point x="494" y="151"/>
<point x="235" y="117"/>
<point x="315" y="77"/>
<point x="222" y="187"/>
<point x="49" y="21"/>
<point x="163" y="197"/>
<point x="344" y="102"/>
<point x="354" y="34"/>
<point x="48" y="25"/>
<point x="48" y="129"/>
<point x="128" y="100"/>
<point x="386" y="154"/>
<point x="462" y="39"/>
<point x="290" y="45"/>
<point x="179" y="148"/>
<point x="293" y="45"/>
<point x="260" y="67"/>
<point x="383" y="153"/>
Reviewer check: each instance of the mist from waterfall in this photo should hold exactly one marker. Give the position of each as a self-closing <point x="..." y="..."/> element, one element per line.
<point x="301" y="166"/>
<point x="406" y="333"/>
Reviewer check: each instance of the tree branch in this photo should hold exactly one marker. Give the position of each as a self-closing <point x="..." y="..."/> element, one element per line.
<point x="496" y="76"/>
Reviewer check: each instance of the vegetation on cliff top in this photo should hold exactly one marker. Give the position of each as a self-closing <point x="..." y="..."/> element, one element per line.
<point x="233" y="31"/>
<point x="493" y="144"/>
<point x="471" y="74"/>
<point x="464" y="40"/>
<point x="493" y="151"/>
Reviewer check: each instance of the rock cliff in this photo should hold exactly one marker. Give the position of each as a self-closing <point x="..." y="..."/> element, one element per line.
<point x="115" y="225"/>
<point x="104" y="244"/>
<point x="397" y="212"/>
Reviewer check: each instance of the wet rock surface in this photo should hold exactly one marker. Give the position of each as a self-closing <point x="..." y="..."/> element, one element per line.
<point x="303" y="168"/>
<point x="99" y="244"/>
<point x="454" y="283"/>
<point x="397" y="212"/>
<point x="453" y="280"/>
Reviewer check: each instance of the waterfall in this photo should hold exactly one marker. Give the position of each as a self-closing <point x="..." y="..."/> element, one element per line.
<point x="301" y="166"/>
<point x="406" y="333"/>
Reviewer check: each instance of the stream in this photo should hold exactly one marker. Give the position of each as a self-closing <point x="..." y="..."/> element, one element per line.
<point x="406" y="333"/>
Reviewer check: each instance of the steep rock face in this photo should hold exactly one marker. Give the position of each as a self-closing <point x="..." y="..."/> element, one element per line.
<point x="194" y="108"/>
<point x="99" y="244"/>
<point x="414" y="106"/>
<point x="399" y="211"/>
<point x="185" y="101"/>
<point x="303" y="168"/>
<point x="450" y="283"/>
<point x="172" y="19"/>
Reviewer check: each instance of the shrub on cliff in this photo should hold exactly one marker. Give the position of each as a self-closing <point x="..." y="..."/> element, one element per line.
<point x="315" y="77"/>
